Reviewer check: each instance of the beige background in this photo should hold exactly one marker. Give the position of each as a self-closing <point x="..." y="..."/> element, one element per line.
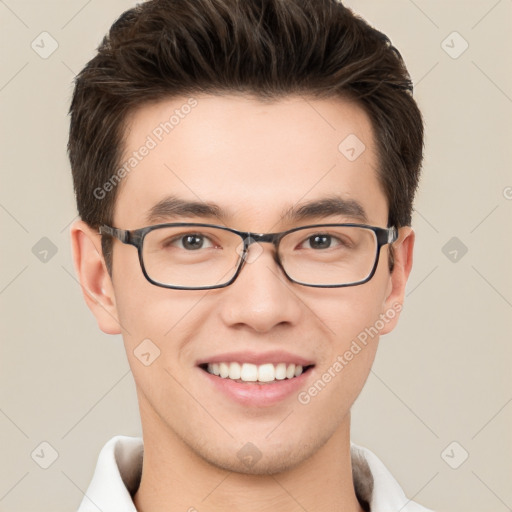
<point x="443" y="376"/>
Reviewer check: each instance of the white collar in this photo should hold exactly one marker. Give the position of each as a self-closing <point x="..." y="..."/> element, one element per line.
<point x="119" y="470"/>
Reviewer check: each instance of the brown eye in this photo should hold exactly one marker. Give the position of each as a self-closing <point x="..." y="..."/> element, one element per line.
<point x="320" y="241"/>
<point x="189" y="242"/>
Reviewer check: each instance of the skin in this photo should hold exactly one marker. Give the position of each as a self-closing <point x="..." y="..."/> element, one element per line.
<point x="253" y="159"/>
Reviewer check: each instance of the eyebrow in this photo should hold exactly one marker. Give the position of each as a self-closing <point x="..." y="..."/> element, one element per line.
<point x="334" y="206"/>
<point x="171" y="206"/>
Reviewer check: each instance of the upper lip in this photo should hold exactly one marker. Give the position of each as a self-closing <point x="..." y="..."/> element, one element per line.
<point x="274" y="357"/>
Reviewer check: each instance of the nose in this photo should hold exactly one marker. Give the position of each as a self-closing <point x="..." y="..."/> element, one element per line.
<point x="261" y="298"/>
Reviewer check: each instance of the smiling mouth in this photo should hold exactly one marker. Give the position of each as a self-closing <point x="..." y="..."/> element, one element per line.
<point x="261" y="374"/>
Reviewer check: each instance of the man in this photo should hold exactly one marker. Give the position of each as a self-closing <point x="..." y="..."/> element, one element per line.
<point x="244" y="173"/>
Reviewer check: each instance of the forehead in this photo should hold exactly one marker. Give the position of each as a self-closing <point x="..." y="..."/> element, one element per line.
<point x="250" y="159"/>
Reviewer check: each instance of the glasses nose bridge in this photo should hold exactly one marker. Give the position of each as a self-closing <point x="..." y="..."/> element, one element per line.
<point x="269" y="238"/>
<point x="253" y="238"/>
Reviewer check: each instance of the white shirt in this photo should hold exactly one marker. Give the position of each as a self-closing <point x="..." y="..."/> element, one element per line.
<point x="119" y="470"/>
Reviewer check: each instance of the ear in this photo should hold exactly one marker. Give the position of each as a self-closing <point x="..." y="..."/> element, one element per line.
<point x="403" y="251"/>
<point x="94" y="279"/>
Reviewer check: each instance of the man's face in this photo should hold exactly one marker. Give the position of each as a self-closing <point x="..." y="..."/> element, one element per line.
<point x="255" y="161"/>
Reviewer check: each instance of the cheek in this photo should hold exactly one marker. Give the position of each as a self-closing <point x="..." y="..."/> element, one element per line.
<point x="353" y="324"/>
<point x="146" y="310"/>
<point x="336" y="384"/>
<point x="157" y="321"/>
<point x="356" y="341"/>
<point x="157" y="327"/>
<point x="353" y="310"/>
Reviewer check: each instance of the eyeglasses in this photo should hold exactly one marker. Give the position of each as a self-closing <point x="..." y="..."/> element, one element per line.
<point x="193" y="256"/>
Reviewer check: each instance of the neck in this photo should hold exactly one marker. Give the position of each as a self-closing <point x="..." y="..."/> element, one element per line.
<point x="175" y="478"/>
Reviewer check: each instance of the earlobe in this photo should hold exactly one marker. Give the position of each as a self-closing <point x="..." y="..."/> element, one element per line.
<point x="93" y="276"/>
<point x="403" y="255"/>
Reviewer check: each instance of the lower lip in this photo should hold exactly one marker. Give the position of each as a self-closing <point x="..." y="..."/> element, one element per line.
<point x="253" y="394"/>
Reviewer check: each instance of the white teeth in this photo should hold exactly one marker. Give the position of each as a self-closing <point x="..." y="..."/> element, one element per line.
<point x="234" y="371"/>
<point x="281" y="371"/>
<point x="248" y="372"/>
<point x="224" y="370"/>
<point x="266" y="373"/>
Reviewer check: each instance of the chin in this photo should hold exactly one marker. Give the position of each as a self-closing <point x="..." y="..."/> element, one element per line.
<point x="266" y="465"/>
<point x="263" y="457"/>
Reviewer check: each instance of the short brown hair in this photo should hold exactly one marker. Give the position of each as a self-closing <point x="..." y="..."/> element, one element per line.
<point x="268" y="48"/>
